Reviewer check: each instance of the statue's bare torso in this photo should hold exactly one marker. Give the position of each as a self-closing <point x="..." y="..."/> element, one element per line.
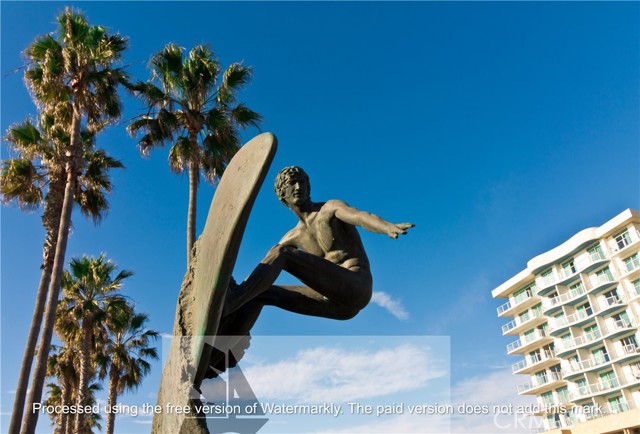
<point x="324" y="235"/>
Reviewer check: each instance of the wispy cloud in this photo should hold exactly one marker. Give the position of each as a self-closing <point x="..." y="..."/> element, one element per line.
<point x="325" y="374"/>
<point x="392" y="305"/>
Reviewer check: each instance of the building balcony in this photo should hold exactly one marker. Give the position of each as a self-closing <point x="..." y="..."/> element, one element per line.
<point x="600" y="282"/>
<point x="532" y="319"/>
<point x="559" y="324"/>
<point x="628" y="352"/>
<point x="596" y="389"/>
<point x="581" y="341"/>
<point x="525" y="300"/>
<point x="620" y="327"/>
<point x="550" y="304"/>
<point x="627" y="244"/>
<point x="537" y="383"/>
<point x="525" y="343"/>
<point x="535" y="362"/>
<point x="564" y="277"/>
<point x="585" y="365"/>
<point x="610" y="304"/>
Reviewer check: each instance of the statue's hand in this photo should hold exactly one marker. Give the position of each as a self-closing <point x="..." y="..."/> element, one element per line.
<point x="399" y="229"/>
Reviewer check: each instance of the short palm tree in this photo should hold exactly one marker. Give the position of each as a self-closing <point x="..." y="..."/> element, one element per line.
<point x="190" y="108"/>
<point x="72" y="76"/>
<point x="91" y="298"/>
<point x="125" y="356"/>
<point x="36" y="177"/>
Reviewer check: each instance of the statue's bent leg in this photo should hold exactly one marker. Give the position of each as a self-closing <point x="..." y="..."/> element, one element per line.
<point x="349" y="288"/>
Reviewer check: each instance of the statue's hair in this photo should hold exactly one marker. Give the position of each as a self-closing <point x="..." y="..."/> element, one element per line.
<point x="283" y="176"/>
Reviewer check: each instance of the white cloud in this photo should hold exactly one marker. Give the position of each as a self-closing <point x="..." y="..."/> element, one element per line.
<point x="493" y="389"/>
<point x="335" y="375"/>
<point x="392" y="305"/>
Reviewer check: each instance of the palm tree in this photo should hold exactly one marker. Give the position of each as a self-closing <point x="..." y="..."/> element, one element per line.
<point x="72" y="77"/>
<point x="90" y="299"/>
<point x="62" y="366"/>
<point x="125" y="356"/>
<point x="188" y="108"/>
<point x="35" y="177"/>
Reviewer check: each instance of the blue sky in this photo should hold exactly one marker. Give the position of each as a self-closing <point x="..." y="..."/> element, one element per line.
<point x="500" y="129"/>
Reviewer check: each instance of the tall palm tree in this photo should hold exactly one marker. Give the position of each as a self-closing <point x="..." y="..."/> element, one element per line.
<point x="35" y="177"/>
<point x="74" y="78"/>
<point x="190" y="107"/>
<point x="90" y="299"/>
<point x="125" y="356"/>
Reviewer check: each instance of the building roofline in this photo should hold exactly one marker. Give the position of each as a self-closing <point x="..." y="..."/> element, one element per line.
<point x="576" y="242"/>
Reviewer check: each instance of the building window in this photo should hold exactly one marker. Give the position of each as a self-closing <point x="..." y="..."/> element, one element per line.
<point x="595" y="253"/>
<point x="629" y="344"/>
<point x="632" y="262"/>
<point x="600" y="355"/>
<point x="584" y="310"/>
<point x="547" y="399"/>
<point x="591" y="333"/>
<point x="576" y="289"/>
<point x="622" y="239"/>
<point x="581" y="384"/>
<point x="608" y="380"/>
<point x="604" y="275"/>
<point x="522" y="294"/>
<point x="563" y="395"/>
<point x="617" y="404"/>
<point x="621" y="320"/>
<point x="636" y="285"/>
<point x="635" y="370"/>
<point x="569" y="268"/>
<point x="611" y="297"/>
<point x="547" y="277"/>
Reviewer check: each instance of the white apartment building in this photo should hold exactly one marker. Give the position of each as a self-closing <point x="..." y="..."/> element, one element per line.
<point x="575" y="321"/>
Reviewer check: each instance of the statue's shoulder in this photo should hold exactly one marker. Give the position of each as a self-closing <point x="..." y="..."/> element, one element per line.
<point x="333" y="204"/>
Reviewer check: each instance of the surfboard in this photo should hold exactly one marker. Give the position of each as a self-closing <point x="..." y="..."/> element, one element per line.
<point x="204" y="287"/>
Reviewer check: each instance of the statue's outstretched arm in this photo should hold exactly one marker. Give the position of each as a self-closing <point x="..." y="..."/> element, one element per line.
<point x="370" y="222"/>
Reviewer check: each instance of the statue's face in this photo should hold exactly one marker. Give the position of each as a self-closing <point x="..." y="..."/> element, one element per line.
<point x="296" y="190"/>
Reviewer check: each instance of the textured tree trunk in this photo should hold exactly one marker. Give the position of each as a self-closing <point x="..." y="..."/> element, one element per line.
<point x="66" y="400"/>
<point x="85" y="375"/>
<point x="40" y="372"/>
<point x="111" y="399"/>
<point x="51" y="222"/>
<point x="194" y="174"/>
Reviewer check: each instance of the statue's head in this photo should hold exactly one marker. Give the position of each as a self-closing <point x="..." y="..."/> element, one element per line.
<point x="292" y="186"/>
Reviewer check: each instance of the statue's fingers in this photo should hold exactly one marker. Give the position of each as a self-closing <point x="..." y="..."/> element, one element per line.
<point x="404" y="226"/>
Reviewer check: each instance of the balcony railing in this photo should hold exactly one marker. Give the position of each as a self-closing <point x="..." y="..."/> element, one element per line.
<point x="621" y="324"/>
<point x="570" y="344"/>
<point x="603" y="386"/>
<point x="585" y="364"/>
<point x="564" y="321"/>
<point x="532" y="360"/>
<point x="520" y="320"/>
<point x="628" y="350"/>
<point x="528" y="294"/>
<point x="541" y="380"/>
<point x="524" y="340"/>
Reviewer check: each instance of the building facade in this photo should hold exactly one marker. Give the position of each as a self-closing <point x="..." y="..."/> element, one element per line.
<point x="575" y="318"/>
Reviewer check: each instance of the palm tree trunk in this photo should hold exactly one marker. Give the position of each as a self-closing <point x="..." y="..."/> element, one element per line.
<point x="51" y="222"/>
<point x="66" y="398"/>
<point x="40" y="372"/>
<point x="83" y="382"/>
<point x="194" y="173"/>
<point x="111" y="399"/>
